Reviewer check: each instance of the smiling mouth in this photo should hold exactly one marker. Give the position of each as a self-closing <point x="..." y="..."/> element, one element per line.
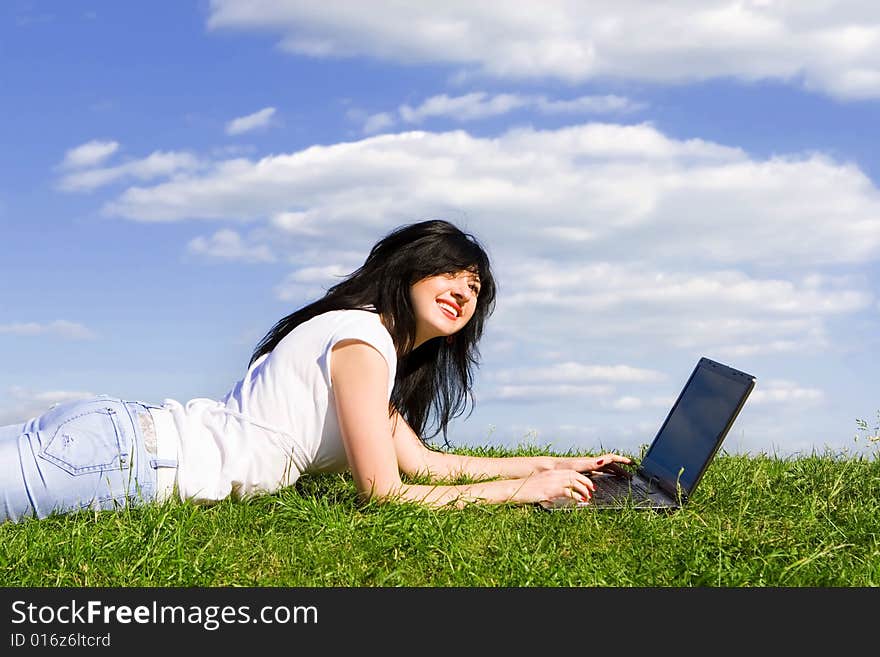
<point x="449" y="310"/>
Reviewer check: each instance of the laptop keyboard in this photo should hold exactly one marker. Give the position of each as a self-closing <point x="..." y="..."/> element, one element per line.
<point x="619" y="491"/>
<point x="612" y="488"/>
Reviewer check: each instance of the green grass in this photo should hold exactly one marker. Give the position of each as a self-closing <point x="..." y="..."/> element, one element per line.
<point x="811" y="521"/>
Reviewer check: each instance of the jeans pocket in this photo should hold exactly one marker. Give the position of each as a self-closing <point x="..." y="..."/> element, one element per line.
<point x="87" y="442"/>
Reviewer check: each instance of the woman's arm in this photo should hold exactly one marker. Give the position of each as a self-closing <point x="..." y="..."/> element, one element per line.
<point x="414" y="458"/>
<point x="376" y="456"/>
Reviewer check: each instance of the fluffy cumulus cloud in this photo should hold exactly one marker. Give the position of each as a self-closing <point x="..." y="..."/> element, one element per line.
<point x="831" y="47"/>
<point x="589" y="190"/>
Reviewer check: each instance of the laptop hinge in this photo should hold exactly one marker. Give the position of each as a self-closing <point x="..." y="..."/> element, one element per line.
<point x="671" y="491"/>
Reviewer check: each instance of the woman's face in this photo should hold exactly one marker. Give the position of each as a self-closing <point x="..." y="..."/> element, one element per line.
<point x="443" y="304"/>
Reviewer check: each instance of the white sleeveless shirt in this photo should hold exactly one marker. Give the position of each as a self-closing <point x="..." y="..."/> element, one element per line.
<point x="279" y="421"/>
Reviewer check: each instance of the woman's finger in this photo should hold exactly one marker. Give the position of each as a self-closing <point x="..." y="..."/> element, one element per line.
<point x="580" y="496"/>
<point x="583" y="487"/>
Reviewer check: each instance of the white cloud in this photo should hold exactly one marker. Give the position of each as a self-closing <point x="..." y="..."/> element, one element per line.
<point x="533" y="394"/>
<point x="59" y="327"/>
<point x="560" y="380"/>
<point x="726" y="312"/>
<point x="89" y="154"/>
<point x="226" y="244"/>
<point x="477" y="105"/>
<point x="255" y="121"/>
<point x="573" y="372"/>
<point x="605" y="187"/>
<point x="602" y="285"/>
<point x="784" y="392"/>
<point x="295" y="223"/>
<point x="22" y="404"/>
<point x="310" y="282"/>
<point x="832" y="47"/>
<point x="378" y="122"/>
<point x="607" y="104"/>
<point x="156" y="165"/>
<point x="480" y="105"/>
<point x="627" y="404"/>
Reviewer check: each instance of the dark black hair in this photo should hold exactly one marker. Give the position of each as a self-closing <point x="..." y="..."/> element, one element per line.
<point x="434" y="381"/>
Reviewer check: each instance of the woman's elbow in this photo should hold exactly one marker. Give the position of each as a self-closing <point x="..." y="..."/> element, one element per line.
<point x="379" y="492"/>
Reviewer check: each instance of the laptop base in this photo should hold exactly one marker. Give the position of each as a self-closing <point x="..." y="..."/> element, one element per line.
<point x="616" y="492"/>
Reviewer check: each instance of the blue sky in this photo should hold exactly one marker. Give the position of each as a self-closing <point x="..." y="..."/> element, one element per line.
<point x="654" y="184"/>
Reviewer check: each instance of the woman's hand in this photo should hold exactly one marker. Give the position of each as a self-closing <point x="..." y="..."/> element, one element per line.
<point x="553" y="484"/>
<point x="588" y="463"/>
<point x="565" y="479"/>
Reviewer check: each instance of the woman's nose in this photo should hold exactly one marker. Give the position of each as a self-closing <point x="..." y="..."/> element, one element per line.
<point x="462" y="290"/>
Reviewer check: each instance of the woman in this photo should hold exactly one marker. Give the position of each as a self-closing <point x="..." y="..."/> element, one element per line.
<point x="350" y="381"/>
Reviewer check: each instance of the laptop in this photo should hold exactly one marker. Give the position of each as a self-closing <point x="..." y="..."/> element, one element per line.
<point x="681" y="452"/>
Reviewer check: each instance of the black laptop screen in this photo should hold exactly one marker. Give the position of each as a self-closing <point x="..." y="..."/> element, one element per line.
<point x="697" y="424"/>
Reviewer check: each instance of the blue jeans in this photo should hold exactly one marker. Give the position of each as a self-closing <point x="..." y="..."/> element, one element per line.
<point x="82" y="454"/>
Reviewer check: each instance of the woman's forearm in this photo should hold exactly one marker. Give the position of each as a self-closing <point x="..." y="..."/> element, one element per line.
<point x="441" y="465"/>
<point x="450" y="466"/>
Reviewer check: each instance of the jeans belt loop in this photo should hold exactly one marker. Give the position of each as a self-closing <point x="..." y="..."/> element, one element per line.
<point x="166" y="462"/>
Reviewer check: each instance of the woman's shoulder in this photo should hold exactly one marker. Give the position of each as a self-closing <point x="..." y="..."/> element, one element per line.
<point x="365" y="325"/>
<point x="365" y="320"/>
<point x="312" y="342"/>
<point x="352" y="316"/>
<point x="331" y="326"/>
